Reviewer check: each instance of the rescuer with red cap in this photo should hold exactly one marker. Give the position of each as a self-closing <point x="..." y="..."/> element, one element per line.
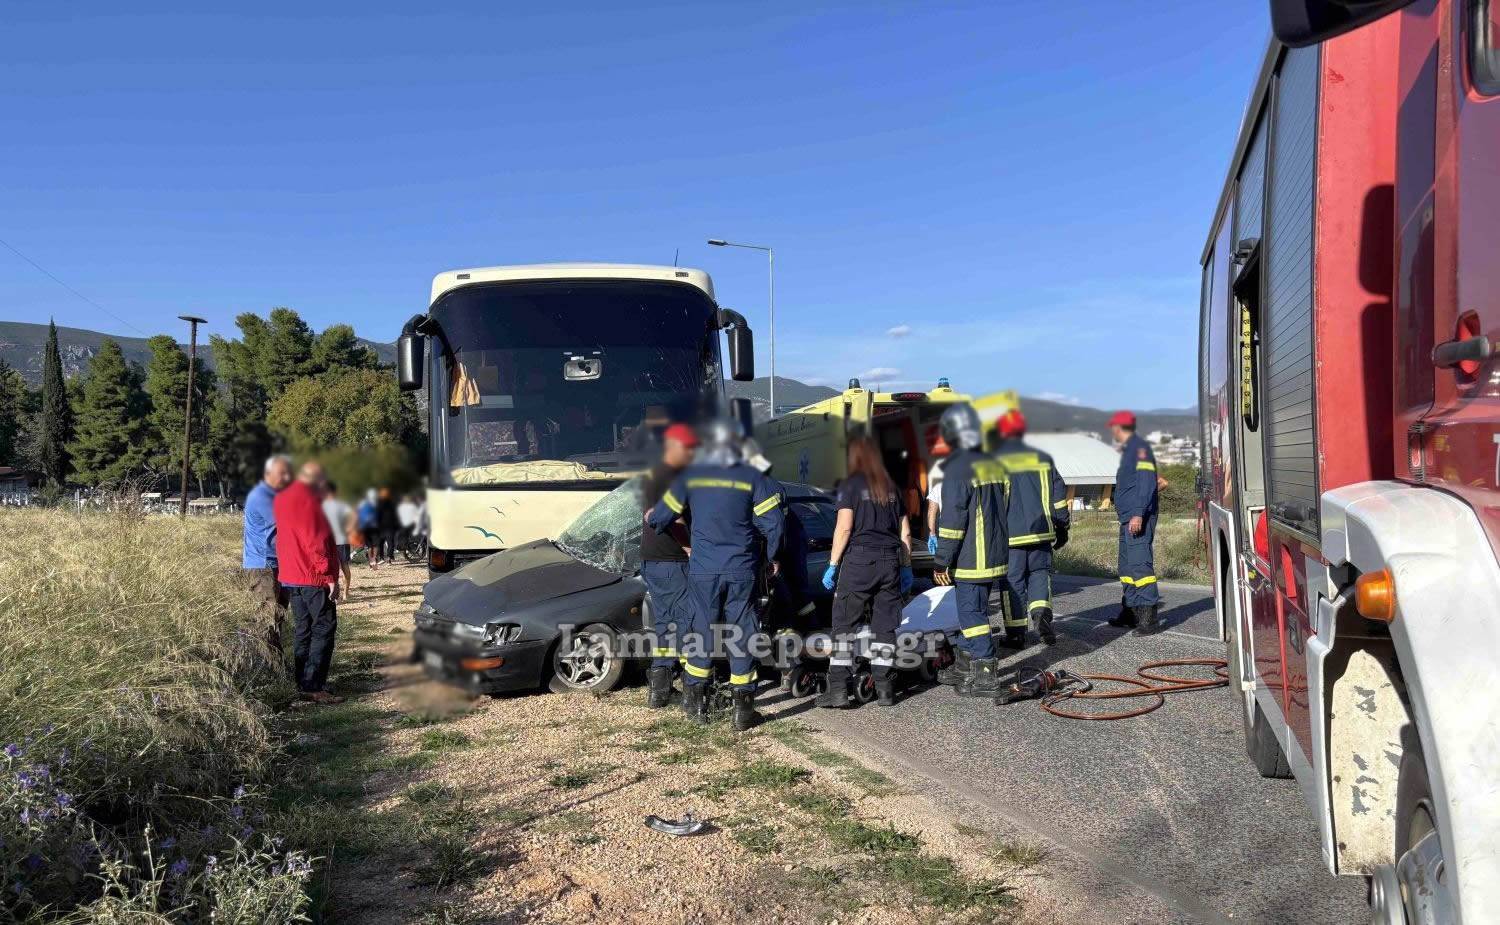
<point x="1037" y="522"/>
<point x="664" y="565"/>
<point x="1135" y="502"/>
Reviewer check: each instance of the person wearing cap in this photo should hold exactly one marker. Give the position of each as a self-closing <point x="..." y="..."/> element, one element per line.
<point x="664" y="565"/>
<point x="1037" y="521"/>
<point x="737" y="516"/>
<point x="1135" y="502"/>
<point x="972" y="548"/>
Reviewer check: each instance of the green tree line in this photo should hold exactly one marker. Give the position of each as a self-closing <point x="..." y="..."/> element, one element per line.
<point x="276" y="387"/>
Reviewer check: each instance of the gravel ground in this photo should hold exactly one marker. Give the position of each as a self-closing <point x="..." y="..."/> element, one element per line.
<point x="529" y="809"/>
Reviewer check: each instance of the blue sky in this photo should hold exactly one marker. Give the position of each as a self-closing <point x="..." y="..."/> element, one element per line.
<point x="1010" y="194"/>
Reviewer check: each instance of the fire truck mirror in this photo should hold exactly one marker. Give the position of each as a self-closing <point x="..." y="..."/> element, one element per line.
<point x="1299" y="23"/>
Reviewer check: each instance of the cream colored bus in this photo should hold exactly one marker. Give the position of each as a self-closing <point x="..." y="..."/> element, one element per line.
<point x="547" y="386"/>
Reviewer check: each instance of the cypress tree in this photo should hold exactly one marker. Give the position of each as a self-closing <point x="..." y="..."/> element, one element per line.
<point x="57" y="415"/>
<point x="110" y="440"/>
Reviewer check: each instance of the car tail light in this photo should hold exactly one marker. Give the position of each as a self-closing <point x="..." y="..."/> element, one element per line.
<point x="1375" y="596"/>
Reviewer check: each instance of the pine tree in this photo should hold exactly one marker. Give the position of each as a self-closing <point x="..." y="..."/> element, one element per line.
<point x="337" y="348"/>
<point x="12" y="414"/>
<point x="110" y="443"/>
<point x="166" y="388"/>
<point x="56" y="424"/>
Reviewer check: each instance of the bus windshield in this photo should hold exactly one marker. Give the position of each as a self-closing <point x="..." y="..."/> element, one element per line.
<point x="563" y="381"/>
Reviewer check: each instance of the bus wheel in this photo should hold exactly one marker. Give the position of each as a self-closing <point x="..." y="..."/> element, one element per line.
<point x="588" y="660"/>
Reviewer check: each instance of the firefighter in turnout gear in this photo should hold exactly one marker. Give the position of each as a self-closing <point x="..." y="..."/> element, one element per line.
<point x="664" y="566"/>
<point x="1037" y="523"/>
<point x="737" y="519"/>
<point x="1135" y="502"/>
<point x="972" y="545"/>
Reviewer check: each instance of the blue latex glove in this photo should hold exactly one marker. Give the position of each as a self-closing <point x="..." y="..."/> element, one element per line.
<point x="932" y="544"/>
<point x="906" y="578"/>
<point x="830" y="576"/>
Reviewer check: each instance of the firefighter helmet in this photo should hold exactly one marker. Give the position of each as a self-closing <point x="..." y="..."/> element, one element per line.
<point x="960" y="427"/>
<point x="1011" y="424"/>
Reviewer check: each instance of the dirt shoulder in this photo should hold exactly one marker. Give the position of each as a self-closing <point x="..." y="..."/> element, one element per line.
<point x="432" y="806"/>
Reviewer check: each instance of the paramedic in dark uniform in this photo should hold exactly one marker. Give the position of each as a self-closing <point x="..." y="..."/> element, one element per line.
<point x="1037" y="523"/>
<point x="737" y="517"/>
<point x="870" y="564"/>
<point x="664" y="565"/>
<point x="972" y="549"/>
<point x="1135" y="502"/>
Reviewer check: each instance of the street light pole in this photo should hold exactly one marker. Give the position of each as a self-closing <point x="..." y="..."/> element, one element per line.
<point x="187" y="417"/>
<point x="771" y="270"/>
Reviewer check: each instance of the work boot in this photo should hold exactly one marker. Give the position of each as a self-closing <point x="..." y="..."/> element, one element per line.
<point x="885" y="692"/>
<point x="1146" y="621"/>
<point x="1014" y="638"/>
<point x="836" y="696"/>
<point x="744" y="709"/>
<point x="1125" y="619"/>
<point x="955" y="673"/>
<point x="984" y="679"/>
<point x="694" y="704"/>
<point x="1044" y="625"/>
<point x="660" y="693"/>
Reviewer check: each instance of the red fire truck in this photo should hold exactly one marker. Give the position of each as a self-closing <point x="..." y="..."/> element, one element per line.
<point x="1350" y="405"/>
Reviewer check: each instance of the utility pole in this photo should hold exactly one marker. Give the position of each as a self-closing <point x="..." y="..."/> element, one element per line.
<point x="187" y="417"/>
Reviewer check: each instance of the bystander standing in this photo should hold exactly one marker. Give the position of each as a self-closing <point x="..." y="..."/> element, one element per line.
<point x="341" y="523"/>
<point x="309" y="571"/>
<point x="258" y="560"/>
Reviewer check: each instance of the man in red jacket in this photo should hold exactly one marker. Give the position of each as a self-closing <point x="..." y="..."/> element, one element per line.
<point x="308" y="565"/>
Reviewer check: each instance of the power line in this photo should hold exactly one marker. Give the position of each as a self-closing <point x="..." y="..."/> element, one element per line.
<point x="80" y="295"/>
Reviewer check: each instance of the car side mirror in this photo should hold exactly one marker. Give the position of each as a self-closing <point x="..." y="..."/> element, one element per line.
<point x="411" y="352"/>
<point x="1299" y="23"/>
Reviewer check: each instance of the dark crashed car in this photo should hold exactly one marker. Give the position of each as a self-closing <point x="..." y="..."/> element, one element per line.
<point x="547" y="614"/>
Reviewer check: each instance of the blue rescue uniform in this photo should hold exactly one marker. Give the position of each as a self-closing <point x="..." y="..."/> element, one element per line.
<point x="1135" y="496"/>
<point x="737" y="522"/>
<point x="1038" y="506"/>
<point x="973" y="544"/>
<point x="664" y="568"/>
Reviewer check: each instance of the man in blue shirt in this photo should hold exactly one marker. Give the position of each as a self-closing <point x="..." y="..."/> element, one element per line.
<point x="258" y="561"/>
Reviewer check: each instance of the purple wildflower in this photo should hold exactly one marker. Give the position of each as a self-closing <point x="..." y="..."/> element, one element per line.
<point x="237" y="812"/>
<point x="239" y="792"/>
<point x="246" y="832"/>
<point x="26" y="816"/>
<point x="12" y="750"/>
<point x="47" y="729"/>
<point x="168" y="843"/>
<point x="24" y="780"/>
<point x="179" y="867"/>
<point x="211" y="863"/>
<point x="63" y="800"/>
<point x="34" y="861"/>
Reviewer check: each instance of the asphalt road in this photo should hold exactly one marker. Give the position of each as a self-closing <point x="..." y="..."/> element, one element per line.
<point x="1165" y="803"/>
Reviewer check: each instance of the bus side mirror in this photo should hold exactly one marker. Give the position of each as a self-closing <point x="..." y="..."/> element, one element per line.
<point x="741" y="345"/>
<point x="411" y="351"/>
<point x="1299" y="23"/>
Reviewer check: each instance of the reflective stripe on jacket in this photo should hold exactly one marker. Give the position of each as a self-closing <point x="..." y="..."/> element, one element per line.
<point x="1038" y="495"/>
<point x="733" y="508"/>
<point x="1135" y="482"/>
<point x="972" y="539"/>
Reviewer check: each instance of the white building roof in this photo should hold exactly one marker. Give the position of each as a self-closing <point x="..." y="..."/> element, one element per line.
<point x="1081" y="459"/>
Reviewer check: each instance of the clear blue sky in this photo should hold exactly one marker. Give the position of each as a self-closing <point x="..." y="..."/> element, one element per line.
<point x="1013" y="194"/>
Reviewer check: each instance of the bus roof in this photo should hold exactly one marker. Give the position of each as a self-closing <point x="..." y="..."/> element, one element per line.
<point x="452" y="279"/>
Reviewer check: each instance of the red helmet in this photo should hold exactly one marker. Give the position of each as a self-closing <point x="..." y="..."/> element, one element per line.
<point x="683" y="434"/>
<point x="1012" y="423"/>
<point x="1122" y="419"/>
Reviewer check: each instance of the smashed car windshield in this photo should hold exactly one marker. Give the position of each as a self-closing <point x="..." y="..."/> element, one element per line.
<point x="608" y="534"/>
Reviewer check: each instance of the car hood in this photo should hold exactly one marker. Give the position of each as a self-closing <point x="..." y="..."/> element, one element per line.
<point x="514" y="578"/>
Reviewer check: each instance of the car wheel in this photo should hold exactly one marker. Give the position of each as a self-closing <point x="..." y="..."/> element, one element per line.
<point x="586" y="660"/>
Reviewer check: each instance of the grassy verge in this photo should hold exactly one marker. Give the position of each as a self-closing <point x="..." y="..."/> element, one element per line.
<point x="1093" y="550"/>
<point x="136" y="726"/>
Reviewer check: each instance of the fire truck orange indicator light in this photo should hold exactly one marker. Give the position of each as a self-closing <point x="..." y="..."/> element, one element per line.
<point x="1375" y="596"/>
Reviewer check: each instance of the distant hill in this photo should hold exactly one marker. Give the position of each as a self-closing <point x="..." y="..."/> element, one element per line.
<point x="22" y="344"/>
<point x="1041" y="415"/>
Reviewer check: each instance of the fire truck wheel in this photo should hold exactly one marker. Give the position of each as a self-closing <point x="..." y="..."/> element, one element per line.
<point x="1264" y="750"/>
<point x="1419" y="850"/>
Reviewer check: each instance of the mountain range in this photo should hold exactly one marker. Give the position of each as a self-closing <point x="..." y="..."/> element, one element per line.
<point x="22" y="344"/>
